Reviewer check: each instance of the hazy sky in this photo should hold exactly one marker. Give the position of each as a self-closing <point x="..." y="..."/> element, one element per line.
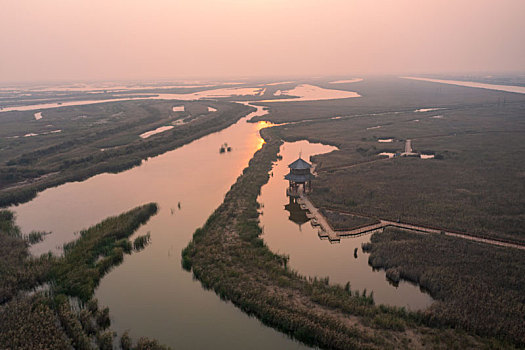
<point x="151" y="39"/>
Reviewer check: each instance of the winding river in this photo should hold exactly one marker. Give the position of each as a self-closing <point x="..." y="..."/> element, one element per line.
<point x="149" y="294"/>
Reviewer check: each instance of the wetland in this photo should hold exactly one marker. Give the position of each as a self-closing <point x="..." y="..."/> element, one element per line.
<point x="267" y="264"/>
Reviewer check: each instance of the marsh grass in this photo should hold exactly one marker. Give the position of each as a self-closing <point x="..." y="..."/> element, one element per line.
<point x="228" y="256"/>
<point x="480" y="287"/>
<point x="52" y="319"/>
<point x="36" y="236"/>
<point x="29" y="165"/>
<point x="141" y="242"/>
<point x="97" y="249"/>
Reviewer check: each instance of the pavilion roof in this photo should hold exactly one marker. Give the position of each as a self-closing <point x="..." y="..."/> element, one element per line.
<point x="299" y="178"/>
<point x="300" y="164"/>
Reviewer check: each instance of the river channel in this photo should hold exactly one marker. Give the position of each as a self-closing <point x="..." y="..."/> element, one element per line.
<point x="149" y="294"/>
<point x="287" y="230"/>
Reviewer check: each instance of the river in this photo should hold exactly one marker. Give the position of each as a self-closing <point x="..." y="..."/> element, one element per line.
<point x="474" y="84"/>
<point x="149" y="294"/>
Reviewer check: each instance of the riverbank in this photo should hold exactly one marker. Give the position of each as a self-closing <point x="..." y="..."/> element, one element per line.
<point x="88" y="147"/>
<point x="228" y="256"/>
<point x="38" y="305"/>
<point x="480" y="286"/>
<point x="288" y="229"/>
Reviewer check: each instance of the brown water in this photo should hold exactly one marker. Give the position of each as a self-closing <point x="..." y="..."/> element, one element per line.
<point x="287" y="233"/>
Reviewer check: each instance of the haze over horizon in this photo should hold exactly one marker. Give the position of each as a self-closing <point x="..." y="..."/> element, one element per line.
<point x="59" y="40"/>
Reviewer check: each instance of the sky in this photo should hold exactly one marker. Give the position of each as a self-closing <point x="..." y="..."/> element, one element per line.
<point x="73" y="40"/>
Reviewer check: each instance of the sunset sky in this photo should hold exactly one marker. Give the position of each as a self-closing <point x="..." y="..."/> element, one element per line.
<point x="67" y="40"/>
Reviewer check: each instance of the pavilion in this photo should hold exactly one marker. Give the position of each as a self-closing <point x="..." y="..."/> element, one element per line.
<point x="300" y="174"/>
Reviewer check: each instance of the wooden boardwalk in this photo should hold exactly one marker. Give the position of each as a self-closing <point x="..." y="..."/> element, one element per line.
<point x="327" y="232"/>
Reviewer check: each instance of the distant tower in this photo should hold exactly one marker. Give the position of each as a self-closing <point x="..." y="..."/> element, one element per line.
<point x="300" y="174"/>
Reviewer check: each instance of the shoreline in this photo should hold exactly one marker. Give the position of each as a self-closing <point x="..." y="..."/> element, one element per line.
<point x="228" y="256"/>
<point x="16" y="194"/>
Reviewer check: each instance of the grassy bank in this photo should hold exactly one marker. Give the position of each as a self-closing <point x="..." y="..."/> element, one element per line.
<point x="39" y="308"/>
<point x="479" y="287"/>
<point x="346" y="222"/>
<point x="99" y="248"/>
<point x="95" y="139"/>
<point x="476" y="186"/>
<point x="228" y="256"/>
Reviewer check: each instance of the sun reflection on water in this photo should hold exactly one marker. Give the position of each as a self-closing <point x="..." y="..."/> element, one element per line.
<point x="261" y="125"/>
<point x="264" y="124"/>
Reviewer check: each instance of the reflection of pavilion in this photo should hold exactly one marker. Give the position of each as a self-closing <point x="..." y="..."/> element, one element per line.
<point x="299" y="174"/>
<point x="297" y="214"/>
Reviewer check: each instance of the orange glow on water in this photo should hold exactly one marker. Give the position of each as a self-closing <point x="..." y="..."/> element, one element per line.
<point x="261" y="142"/>
<point x="264" y="124"/>
<point x="261" y="125"/>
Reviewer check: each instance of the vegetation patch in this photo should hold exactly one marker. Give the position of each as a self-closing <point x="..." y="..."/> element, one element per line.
<point x="106" y="139"/>
<point x="346" y="222"/>
<point x="38" y="304"/>
<point x="98" y="249"/>
<point x="473" y="185"/>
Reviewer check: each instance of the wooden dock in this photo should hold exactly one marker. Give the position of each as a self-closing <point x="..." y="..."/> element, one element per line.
<point x="326" y="232"/>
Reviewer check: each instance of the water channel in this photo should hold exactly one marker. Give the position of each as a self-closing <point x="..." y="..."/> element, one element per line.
<point x="475" y="84"/>
<point x="287" y="230"/>
<point x="149" y="294"/>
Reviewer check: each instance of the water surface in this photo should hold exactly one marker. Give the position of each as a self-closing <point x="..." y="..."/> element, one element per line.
<point x="158" y="130"/>
<point x="307" y="92"/>
<point x="507" y="88"/>
<point x="286" y="231"/>
<point x="348" y="81"/>
<point x="149" y="294"/>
